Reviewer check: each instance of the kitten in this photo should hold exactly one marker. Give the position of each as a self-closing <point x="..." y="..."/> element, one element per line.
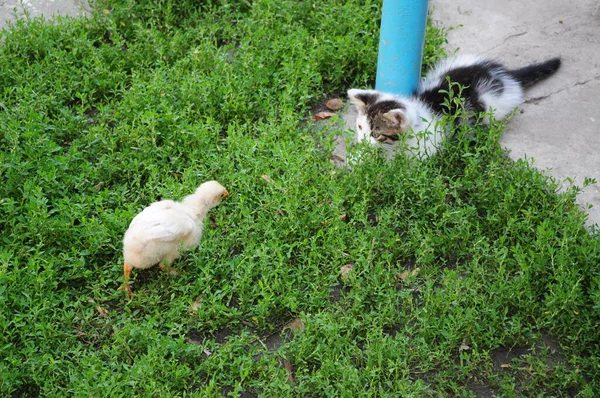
<point x="487" y="86"/>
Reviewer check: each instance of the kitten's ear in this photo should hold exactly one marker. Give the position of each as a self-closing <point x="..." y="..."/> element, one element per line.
<point x="397" y="117"/>
<point x="361" y="98"/>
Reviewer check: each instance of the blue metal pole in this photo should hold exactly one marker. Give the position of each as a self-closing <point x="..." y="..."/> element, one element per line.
<point x="401" y="41"/>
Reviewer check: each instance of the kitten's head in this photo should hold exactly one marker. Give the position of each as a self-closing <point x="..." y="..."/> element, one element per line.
<point x="381" y="117"/>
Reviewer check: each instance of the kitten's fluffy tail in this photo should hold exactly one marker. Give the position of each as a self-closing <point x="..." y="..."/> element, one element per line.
<point x="532" y="74"/>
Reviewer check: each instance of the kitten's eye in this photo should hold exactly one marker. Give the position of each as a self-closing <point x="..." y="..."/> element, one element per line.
<point x="360" y="127"/>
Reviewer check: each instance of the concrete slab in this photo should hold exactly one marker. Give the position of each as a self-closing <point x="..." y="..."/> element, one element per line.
<point x="559" y="125"/>
<point x="9" y="9"/>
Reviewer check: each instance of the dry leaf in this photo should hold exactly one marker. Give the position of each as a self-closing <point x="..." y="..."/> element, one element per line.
<point x="296" y="324"/>
<point x="79" y="331"/>
<point x="463" y="347"/>
<point x="195" y="305"/>
<point x="338" y="157"/>
<point x="403" y="275"/>
<point x="290" y="369"/>
<point x="335" y="104"/>
<point x="406" y="274"/>
<point x="267" y="179"/>
<point x="323" y="115"/>
<point x="505" y="365"/>
<point x="102" y="312"/>
<point x="99" y="186"/>
<point x="345" y="271"/>
<point x="270" y="181"/>
<point x="344" y="217"/>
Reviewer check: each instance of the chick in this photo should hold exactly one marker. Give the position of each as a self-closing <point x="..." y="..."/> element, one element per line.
<point x="161" y="230"/>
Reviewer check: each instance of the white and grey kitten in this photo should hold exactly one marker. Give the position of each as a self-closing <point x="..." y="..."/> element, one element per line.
<point x="487" y="86"/>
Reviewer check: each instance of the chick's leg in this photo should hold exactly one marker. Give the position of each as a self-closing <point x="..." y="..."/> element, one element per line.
<point x="165" y="264"/>
<point x="166" y="267"/>
<point x="126" y="272"/>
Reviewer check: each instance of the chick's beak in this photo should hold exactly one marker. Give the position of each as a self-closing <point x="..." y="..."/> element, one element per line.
<point x="225" y="194"/>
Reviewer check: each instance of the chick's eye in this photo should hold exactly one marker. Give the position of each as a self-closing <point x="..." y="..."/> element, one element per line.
<point x="360" y="127"/>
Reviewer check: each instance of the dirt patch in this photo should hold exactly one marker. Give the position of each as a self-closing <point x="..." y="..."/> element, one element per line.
<point x="274" y="341"/>
<point x="417" y="298"/>
<point x="145" y="276"/>
<point x="503" y="361"/>
<point x="336" y="292"/>
<point x="76" y="283"/>
<point x="235" y="251"/>
<point x="481" y="390"/>
<point x="372" y="217"/>
<point x="244" y="394"/>
<point x="410" y="264"/>
<point x="547" y="345"/>
<point x="220" y="336"/>
<point x="91" y="113"/>
<point x="392" y="330"/>
<point x="234" y="301"/>
<point x="427" y="376"/>
<point x="554" y="354"/>
<point x="503" y="356"/>
<point x="28" y="388"/>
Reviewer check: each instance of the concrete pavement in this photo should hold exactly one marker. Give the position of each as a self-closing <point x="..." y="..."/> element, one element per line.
<point x="10" y="8"/>
<point x="559" y="124"/>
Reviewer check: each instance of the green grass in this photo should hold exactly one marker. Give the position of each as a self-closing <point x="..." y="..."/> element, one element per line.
<point x="145" y="100"/>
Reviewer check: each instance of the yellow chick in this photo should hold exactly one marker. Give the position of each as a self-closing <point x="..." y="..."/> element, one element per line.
<point x="163" y="229"/>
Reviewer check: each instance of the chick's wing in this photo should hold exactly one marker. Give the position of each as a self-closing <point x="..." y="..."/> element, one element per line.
<point x="165" y="222"/>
